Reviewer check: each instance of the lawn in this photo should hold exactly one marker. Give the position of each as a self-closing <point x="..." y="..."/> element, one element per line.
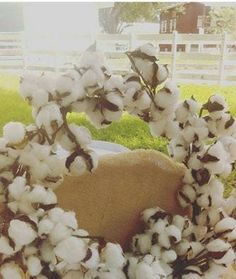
<point x="129" y="131"/>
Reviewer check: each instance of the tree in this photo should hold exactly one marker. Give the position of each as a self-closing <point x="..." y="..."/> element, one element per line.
<point x="222" y="19"/>
<point x="123" y="14"/>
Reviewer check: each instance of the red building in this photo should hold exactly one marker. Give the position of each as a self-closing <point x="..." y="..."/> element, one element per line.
<point x="193" y="19"/>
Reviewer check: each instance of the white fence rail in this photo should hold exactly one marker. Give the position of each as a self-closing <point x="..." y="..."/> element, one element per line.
<point x="201" y="58"/>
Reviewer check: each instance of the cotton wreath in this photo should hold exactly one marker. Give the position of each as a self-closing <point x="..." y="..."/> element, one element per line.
<point x="40" y="240"/>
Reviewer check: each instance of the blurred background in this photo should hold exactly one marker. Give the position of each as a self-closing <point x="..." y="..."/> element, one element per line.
<point x="196" y="39"/>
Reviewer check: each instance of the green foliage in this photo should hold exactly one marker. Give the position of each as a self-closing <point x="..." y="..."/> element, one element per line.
<point x="123" y="14"/>
<point x="222" y="19"/>
<point x="138" y="11"/>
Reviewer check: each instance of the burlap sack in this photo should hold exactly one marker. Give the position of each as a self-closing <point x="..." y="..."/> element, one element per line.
<point x="108" y="202"/>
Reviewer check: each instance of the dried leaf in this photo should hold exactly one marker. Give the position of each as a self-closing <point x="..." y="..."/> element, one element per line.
<point x="202" y="176"/>
<point x="230" y="122"/>
<point x="212" y="107"/>
<point x="207" y="158"/>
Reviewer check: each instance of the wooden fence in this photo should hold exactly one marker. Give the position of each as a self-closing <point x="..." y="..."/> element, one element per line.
<point x="200" y="58"/>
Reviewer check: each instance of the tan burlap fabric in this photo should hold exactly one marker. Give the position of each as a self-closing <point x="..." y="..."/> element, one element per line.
<point x="108" y="202"/>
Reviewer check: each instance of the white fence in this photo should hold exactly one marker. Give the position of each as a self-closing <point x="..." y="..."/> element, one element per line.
<point x="200" y="58"/>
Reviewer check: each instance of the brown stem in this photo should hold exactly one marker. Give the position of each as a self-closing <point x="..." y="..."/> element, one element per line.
<point x="150" y="91"/>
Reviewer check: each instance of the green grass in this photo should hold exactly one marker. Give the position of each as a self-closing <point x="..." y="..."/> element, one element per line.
<point x="129" y="131"/>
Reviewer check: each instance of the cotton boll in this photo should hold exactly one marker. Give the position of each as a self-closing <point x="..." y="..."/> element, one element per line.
<point x="157" y="128"/>
<point x="136" y="101"/>
<point x="113" y="255"/>
<point x="166" y="268"/>
<point x="71" y="250"/>
<point x="14" y="132"/>
<point x="5" y="247"/>
<point x="172" y="129"/>
<point x="91" y="79"/>
<point x="219" y="249"/>
<point x="80" y="105"/>
<point x="94" y="259"/>
<point x="78" y="166"/>
<point x="195" y="130"/>
<point x="17" y="188"/>
<point x="159" y="226"/>
<point x="187" y="195"/>
<point x="38" y="194"/>
<point x="144" y="271"/>
<point x="215" y="271"/>
<point x="45" y="226"/>
<point x="188" y="228"/>
<point x="200" y="232"/>
<point x="158" y="269"/>
<point x="115" y="98"/>
<point x="186" y="109"/>
<point x="142" y="243"/>
<point x="27" y="88"/>
<point x="169" y="256"/>
<point x="39" y="171"/>
<point x="77" y="93"/>
<point x="211" y="195"/>
<point x="229" y="144"/>
<point x="217" y="164"/>
<point x="10" y="271"/>
<point x="216" y="105"/>
<point x="42" y="152"/>
<point x="226" y="225"/>
<point x="132" y="81"/>
<point x="95" y="116"/>
<point x="55" y="214"/>
<point x="178" y="221"/>
<point x="49" y="118"/>
<point x="82" y="135"/>
<point x="64" y="84"/>
<point x="149" y="215"/>
<point x="34" y="265"/>
<point x="162" y="73"/>
<point x="227" y="259"/>
<point x="111" y="116"/>
<point x="148" y="49"/>
<point x="114" y="82"/>
<point x="39" y="98"/>
<point x="47" y="83"/>
<point x="156" y="251"/>
<point x="174" y="233"/>
<point x="21" y="232"/>
<point x="194" y="162"/>
<point x="164" y="240"/>
<point x="182" y="247"/>
<point x="47" y="254"/>
<point x="69" y="220"/>
<point x="167" y="96"/>
<point x="59" y="233"/>
<point x="209" y="217"/>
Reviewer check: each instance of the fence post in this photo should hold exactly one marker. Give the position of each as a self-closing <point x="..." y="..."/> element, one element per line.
<point x="174" y="54"/>
<point x="222" y="57"/>
<point x="131" y="41"/>
<point x="24" y="51"/>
